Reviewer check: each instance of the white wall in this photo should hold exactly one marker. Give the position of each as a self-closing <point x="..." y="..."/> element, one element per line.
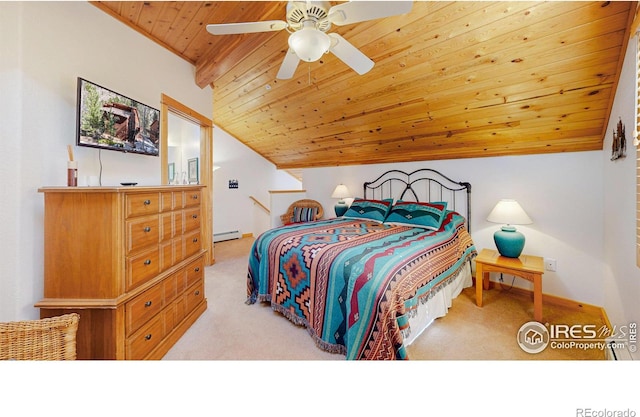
<point x="562" y="193"/>
<point x="233" y="209"/>
<point x="622" y="279"/>
<point x="11" y="179"/>
<point x="45" y="46"/>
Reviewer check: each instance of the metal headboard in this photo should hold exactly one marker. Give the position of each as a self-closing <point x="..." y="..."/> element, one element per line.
<point x="426" y="185"/>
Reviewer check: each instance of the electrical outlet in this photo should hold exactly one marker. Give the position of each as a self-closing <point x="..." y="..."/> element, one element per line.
<point x="550" y="264"/>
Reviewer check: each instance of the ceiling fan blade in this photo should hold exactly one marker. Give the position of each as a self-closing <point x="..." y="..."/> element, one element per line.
<point x="302" y="5"/>
<point x="360" y="11"/>
<point x="248" y="27"/>
<point x="289" y="65"/>
<point x="349" y="54"/>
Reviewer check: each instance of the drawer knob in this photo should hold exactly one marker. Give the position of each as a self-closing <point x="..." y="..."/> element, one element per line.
<point x="147" y="202"/>
<point x="197" y="292"/>
<point x="147" y="262"/>
<point x="148" y="337"/>
<point x="147" y="229"/>
<point x="148" y="304"/>
<point x="197" y="269"/>
<point x="195" y="240"/>
<point x="195" y="196"/>
<point x="195" y="216"/>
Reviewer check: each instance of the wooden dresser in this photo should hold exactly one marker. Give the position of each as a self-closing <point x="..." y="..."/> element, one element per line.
<point x="129" y="260"/>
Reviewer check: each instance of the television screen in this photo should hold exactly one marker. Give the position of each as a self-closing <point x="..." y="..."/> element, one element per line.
<point x="108" y="120"/>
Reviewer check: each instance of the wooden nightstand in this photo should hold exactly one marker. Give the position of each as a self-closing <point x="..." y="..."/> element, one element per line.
<point x="528" y="267"/>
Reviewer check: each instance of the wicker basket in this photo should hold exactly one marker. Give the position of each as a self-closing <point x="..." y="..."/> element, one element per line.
<point x="45" y="339"/>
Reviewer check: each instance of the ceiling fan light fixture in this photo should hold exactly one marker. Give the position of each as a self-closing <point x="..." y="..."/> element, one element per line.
<point x="309" y="43"/>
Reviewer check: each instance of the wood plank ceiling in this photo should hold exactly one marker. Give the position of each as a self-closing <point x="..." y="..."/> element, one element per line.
<point x="451" y="79"/>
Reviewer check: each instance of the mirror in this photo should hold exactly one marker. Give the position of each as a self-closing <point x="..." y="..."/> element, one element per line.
<point x="183" y="151"/>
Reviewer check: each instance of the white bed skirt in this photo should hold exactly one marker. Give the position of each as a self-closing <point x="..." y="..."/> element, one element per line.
<point x="437" y="306"/>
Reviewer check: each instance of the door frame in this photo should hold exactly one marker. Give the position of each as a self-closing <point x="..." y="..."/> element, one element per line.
<point x="170" y="105"/>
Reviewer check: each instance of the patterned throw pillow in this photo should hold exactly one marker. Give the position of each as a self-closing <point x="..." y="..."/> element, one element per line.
<point x="375" y="210"/>
<point x="304" y="214"/>
<point x="425" y="215"/>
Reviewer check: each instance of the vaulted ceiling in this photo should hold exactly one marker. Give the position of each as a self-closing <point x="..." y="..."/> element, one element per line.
<point x="451" y="79"/>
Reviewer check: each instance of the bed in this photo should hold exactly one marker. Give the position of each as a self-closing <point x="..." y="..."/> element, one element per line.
<point x="368" y="283"/>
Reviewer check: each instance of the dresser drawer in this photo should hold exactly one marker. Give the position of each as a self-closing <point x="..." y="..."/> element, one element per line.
<point x="192" y="198"/>
<point x="146" y="339"/>
<point x="171" y="253"/>
<point x="173" y="286"/>
<point x="194" y="296"/>
<point x="142" y="267"/>
<point x="174" y="313"/>
<point x="167" y="255"/>
<point x="178" y="200"/>
<point x="141" y="204"/>
<point x="167" y="230"/>
<point x="167" y="201"/>
<point x="142" y="308"/>
<point x="179" y="253"/>
<point x="178" y="223"/>
<point x="192" y="219"/>
<point x="195" y="271"/>
<point x="171" y="224"/>
<point x="142" y="232"/>
<point x="192" y="244"/>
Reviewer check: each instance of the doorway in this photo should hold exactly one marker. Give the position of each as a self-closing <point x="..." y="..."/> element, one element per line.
<point x="188" y="155"/>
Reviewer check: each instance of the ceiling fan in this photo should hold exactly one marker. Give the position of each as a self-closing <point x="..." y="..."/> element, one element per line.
<point x="308" y="23"/>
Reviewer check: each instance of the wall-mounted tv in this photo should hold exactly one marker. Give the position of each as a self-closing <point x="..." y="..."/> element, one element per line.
<point x="108" y="120"/>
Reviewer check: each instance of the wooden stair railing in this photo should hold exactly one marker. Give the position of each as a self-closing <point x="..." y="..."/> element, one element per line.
<point x="255" y="200"/>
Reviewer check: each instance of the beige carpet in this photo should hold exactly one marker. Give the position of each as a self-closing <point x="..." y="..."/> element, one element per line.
<point x="232" y="330"/>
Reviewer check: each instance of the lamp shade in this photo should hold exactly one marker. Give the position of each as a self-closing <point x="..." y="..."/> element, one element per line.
<point x="341" y="192"/>
<point x="508" y="212"/>
<point x="309" y="43"/>
<point x="508" y="240"/>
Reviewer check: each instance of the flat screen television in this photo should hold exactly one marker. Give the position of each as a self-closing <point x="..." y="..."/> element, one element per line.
<point x="109" y="120"/>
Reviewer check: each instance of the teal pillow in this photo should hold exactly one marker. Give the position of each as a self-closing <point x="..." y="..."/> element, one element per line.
<point x="375" y="210"/>
<point x="425" y="215"/>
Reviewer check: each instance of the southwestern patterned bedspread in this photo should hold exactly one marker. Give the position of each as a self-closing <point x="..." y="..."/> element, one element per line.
<point x="348" y="281"/>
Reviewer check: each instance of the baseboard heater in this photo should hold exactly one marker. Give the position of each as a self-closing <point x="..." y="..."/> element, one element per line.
<point x="220" y="237"/>
<point x="617" y="350"/>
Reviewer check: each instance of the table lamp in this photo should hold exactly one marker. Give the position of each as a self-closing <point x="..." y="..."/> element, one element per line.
<point x="341" y="192"/>
<point x="508" y="240"/>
